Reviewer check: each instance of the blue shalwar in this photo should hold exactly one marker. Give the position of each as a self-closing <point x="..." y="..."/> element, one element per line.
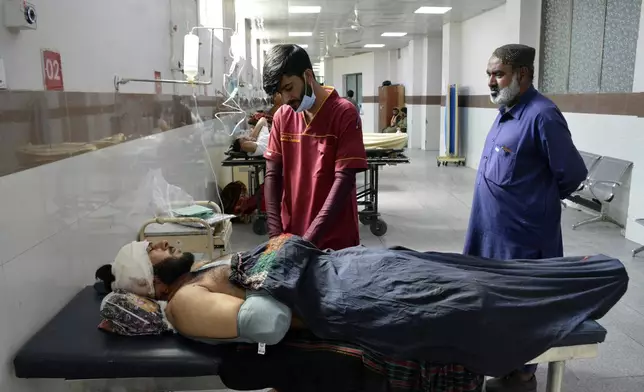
<point x="529" y="163"/>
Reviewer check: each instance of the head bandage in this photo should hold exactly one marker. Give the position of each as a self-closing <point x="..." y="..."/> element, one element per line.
<point x="133" y="271"/>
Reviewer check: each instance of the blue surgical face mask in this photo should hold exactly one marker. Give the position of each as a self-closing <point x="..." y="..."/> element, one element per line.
<point x="308" y="100"/>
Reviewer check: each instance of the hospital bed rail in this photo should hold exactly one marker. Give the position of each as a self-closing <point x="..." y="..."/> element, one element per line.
<point x="204" y="239"/>
<point x="71" y="347"/>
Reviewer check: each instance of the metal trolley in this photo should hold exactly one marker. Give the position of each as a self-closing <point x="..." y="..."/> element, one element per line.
<point x="368" y="193"/>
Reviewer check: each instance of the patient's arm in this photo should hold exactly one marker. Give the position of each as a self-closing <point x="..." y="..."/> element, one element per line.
<point x="195" y="311"/>
<point x="248" y="146"/>
<point x="258" y="128"/>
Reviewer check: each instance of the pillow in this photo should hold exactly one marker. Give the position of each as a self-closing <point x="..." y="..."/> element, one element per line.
<point x="132" y="315"/>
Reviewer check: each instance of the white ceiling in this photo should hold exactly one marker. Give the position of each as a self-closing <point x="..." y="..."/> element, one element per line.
<point x="376" y="16"/>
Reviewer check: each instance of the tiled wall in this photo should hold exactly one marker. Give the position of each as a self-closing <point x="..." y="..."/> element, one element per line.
<point x="589" y="46"/>
<point x="38" y="127"/>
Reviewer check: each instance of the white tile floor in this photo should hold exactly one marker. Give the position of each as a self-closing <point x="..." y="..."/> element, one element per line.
<point x="427" y="208"/>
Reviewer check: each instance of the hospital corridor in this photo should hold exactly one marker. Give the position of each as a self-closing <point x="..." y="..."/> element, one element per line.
<point x="322" y="195"/>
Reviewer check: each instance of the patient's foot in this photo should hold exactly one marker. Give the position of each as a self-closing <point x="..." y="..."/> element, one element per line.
<point x="514" y="382"/>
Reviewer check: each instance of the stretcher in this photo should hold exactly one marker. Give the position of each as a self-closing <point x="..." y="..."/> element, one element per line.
<point x="202" y="239"/>
<point x="384" y="140"/>
<point x="71" y="347"/>
<point x="367" y="193"/>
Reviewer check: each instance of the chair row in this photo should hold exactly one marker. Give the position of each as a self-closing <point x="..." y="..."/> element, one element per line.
<point x="597" y="191"/>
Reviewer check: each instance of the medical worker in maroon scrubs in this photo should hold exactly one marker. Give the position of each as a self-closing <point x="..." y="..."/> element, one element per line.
<point x="314" y="151"/>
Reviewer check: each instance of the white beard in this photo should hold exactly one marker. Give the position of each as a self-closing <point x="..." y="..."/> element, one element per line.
<point x="507" y="94"/>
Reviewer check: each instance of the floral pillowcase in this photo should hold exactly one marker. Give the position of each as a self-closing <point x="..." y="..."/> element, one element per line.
<point x="132" y="315"/>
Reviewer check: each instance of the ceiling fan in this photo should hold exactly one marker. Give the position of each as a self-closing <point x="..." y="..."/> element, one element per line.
<point x="354" y="23"/>
<point x="340" y="49"/>
<point x="341" y="45"/>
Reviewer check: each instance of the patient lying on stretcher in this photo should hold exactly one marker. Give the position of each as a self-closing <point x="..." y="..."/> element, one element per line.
<point x="396" y="302"/>
<point x="202" y="303"/>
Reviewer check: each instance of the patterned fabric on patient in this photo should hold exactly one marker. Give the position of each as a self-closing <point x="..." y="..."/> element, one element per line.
<point x="132" y="315"/>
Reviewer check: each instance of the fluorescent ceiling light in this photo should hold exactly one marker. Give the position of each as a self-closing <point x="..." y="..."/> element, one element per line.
<point x="303" y="46"/>
<point x="304" y="9"/>
<point x="393" y="34"/>
<point x="300" y="33"/>
<point x="432" y="10"/>
<point x="374" y="45"/>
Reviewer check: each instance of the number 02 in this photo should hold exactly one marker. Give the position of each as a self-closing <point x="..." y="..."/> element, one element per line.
<point x="52" y="69"/>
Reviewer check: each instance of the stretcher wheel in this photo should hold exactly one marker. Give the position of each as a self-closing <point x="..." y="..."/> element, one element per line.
<point x="378" y="228"/>
<point x="260" y="226"/>
<point x="438" y="163"/>
<point x="364" y="219"/>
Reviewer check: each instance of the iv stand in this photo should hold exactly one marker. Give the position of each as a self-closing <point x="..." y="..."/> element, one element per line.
<point x="118" y="81"/>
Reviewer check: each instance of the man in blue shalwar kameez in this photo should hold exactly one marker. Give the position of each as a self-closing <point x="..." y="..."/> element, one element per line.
<point x="528" y="165"/>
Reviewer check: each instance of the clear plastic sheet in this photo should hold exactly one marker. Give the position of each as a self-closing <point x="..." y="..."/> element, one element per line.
<point x="161" y="199"/>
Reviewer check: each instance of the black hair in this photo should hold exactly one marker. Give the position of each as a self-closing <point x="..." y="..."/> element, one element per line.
<point x="284" y="60"/>
<point x="172" y="268"/>
<point x="104" y="274"/>
<point x="404" y="110"/>
<point x="350" y="93"/>
<point x="236" y="146"/>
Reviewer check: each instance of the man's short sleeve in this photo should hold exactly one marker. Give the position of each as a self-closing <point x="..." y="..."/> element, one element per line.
<point x="351" y="153"/>
<point x="274" y="149"/>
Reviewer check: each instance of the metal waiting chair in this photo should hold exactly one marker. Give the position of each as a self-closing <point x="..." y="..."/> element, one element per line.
<point x="590" y="160"/>
<point x="641" y="248"/>
<point x="600" y="187"/>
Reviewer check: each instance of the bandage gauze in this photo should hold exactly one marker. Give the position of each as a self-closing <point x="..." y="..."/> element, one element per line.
<point x="132" y="270"/>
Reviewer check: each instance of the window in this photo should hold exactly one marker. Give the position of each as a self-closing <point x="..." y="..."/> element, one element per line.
<point x="588" y="46"/>
<point x="354" y="82"/>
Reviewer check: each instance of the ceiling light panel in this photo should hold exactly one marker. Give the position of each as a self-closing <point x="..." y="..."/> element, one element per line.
<point x="374" y="46"/>
<point x="309" y="9"/>
<point x="393" y="34"/>
<point x="300" y="33"/>
<point x="433" y="10"/>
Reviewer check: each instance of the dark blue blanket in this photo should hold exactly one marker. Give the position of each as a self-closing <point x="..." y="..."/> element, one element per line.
<point x="490" y="316"/>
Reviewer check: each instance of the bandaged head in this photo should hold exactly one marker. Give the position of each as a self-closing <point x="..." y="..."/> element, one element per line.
<point x="133" y="271"/>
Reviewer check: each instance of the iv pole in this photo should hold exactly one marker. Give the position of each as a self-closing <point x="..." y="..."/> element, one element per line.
<point x="118" y="81"/>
